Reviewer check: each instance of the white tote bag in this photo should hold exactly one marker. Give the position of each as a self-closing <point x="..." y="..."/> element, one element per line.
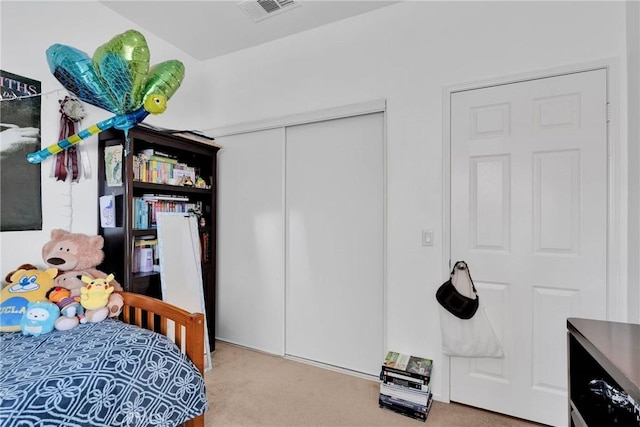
<point x="469" y="337"/>
<point x="472" y="337"/>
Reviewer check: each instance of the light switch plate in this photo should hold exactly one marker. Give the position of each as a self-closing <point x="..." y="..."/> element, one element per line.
<point x="427" y="237"/>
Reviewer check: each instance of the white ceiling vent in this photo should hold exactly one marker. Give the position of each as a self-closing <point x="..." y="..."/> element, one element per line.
<point x="261" y="9"/>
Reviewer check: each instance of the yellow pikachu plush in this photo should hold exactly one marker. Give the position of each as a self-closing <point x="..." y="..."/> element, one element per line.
<point x="96" y="293"/>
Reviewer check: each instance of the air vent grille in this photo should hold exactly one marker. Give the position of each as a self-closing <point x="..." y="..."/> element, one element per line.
<point x="261" y="9"/>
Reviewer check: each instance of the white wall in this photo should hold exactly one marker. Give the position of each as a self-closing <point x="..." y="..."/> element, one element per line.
<point x="407" y="53"/>
<point x="28" y="29"/>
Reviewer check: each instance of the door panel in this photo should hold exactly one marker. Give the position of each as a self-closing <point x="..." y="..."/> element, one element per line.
<point x="529" y="215"/>
<point x="335" y="240"/>
<point x="250" y="285"/>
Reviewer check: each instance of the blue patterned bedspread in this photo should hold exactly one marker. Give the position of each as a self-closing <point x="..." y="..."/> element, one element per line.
<point x="104" y="374"/>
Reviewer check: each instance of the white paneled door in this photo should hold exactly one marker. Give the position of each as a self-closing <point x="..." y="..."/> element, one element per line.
<point x="529" y="215"/>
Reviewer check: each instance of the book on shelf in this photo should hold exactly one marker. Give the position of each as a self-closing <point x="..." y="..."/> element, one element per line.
<point x="161" y="168"/>
<point x="147" y="207"/>
<point x="194" y="135"/>
<point x="409" y="376"/>
<point x="416" y="415"/>
<point x="140" y="214"/>
<point x="411" y="368"/>
<point x="408" y="363"/>
<point x="145" y="259"/>
<point x="404" y="384"/>
<point x="403" y="380"/>
<point x="145" y="241"/>
<point x="163" y="159"/>
<point x="418" y="397"/>
<point x="145" y="254"/>
<point x="169" y="197"/>
<point x="404" y="409"/>
<point x="153" y="127"/>
<point x="392" y="400"/>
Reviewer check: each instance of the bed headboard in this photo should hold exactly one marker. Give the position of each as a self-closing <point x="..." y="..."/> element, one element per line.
<point x="184" y="328"/>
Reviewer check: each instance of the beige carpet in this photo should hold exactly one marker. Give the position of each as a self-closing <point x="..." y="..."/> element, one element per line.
<point x="250" y="388"/>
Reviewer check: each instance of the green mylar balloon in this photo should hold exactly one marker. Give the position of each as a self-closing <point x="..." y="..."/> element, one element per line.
<point x="117" y="79"/>
<point x="123" y="62"/>
<point x="164" y="78"/>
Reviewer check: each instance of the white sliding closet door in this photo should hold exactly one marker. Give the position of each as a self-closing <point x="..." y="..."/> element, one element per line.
<point x="335" y="241"/>
<point x="250" y="288"/>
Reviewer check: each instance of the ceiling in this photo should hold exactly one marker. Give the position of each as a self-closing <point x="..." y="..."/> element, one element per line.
<point x="206" y="29"/>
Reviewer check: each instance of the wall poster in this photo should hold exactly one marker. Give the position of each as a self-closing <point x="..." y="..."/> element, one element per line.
<point x="20" y="187"/>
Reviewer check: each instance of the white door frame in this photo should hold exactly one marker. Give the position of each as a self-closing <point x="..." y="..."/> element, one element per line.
<point x="616" y="187"/>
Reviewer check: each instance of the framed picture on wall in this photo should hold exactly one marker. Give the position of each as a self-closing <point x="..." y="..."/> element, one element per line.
<point x="20" y="188"/>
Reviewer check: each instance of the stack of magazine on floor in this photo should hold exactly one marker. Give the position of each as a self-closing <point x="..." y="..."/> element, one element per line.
<point x="404" y="385"/>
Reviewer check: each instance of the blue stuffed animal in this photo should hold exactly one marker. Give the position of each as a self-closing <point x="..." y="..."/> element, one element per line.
<point x="40" y="318"/>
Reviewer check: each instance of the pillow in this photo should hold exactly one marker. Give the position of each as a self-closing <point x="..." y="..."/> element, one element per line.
<point x="25" y="285"/>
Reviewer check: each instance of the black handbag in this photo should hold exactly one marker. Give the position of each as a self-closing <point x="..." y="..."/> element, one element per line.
<point x="456" y="303"/>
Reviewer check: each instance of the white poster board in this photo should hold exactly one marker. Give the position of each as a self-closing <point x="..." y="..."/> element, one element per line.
<point x="180" y="266"/>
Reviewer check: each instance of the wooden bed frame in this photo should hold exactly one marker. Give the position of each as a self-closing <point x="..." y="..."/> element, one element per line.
<point x="184" y="328"/>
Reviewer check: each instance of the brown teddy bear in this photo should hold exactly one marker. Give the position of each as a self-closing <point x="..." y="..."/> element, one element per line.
<point x="76" y="255"/>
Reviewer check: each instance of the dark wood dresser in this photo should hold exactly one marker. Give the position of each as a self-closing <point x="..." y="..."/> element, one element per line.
<point x="604" y="373"/>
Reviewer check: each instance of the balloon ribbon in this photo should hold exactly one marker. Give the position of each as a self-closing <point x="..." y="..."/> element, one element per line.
<point x="67" y="161"/>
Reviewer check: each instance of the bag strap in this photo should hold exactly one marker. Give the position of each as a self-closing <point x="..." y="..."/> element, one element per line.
<point x="461" y="266"/>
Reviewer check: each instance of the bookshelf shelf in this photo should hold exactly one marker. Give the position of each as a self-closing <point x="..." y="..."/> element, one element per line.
<point x="144" y="232"/>
<point x="122" y="242"/>
<point x="166" y="188"/>
<point x="145" y="274"/>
